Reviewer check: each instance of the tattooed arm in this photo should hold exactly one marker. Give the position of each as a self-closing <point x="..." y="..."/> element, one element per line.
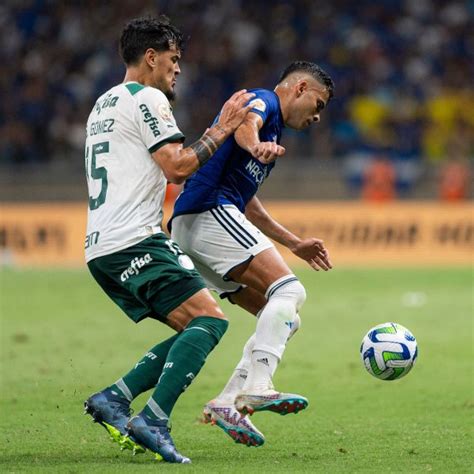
<point x="178" y="162"/>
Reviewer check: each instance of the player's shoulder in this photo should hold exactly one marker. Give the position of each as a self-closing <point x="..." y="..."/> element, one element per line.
<point x="151" y="101"/>
<point x="265" y="100"/>
<point x="265" y="94"/>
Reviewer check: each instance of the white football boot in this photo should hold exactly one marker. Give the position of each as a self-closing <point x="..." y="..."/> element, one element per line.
<point x="237" y="426"/>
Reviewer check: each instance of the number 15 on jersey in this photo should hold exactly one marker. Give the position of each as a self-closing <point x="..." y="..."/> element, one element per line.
<point x="98" y="173"/>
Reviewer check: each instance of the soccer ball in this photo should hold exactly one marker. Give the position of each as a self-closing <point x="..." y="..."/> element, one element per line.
<point x="388" y="351"/>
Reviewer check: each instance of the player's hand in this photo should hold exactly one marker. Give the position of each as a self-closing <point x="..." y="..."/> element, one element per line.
<point x="314" y="252"/>
<point x="266" y="152"/>
<point x="234" y="111"/>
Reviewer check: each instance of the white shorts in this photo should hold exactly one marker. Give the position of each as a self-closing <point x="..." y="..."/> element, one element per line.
<point x="219" y="240"/>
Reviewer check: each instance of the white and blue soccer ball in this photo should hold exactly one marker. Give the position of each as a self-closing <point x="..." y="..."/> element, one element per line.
<point x="388" y="351"/>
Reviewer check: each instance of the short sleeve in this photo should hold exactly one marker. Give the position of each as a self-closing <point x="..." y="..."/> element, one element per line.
<point x="156" y="122"/>
<point x="262" y="104"/>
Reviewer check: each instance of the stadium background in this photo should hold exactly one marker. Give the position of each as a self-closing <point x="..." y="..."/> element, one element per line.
<point x="400" y="127"/>
<point x="385" y="179"/>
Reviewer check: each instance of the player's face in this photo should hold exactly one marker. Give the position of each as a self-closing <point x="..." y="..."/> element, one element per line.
<point x="166" y="70"/>
<point x="311" y="98"/>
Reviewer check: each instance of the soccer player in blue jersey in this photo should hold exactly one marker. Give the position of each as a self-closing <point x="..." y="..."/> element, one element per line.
<point x="221" y="224"/>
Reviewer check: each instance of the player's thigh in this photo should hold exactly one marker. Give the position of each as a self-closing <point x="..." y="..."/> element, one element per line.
<point x="262" y="271"/>
<point x="135" y="309"/>
<point x="249" y="299"/>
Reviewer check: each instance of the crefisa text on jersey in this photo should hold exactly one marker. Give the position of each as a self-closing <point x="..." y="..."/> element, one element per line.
<point x="150" y="119"/>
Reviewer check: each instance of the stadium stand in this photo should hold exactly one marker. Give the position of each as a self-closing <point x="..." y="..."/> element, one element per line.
<point x="403" y="73"/>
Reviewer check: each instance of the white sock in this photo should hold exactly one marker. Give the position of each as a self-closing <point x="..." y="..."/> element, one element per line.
<point x="261" y="370"/>
<point x="237" y="380"/>
<point x="285" y="297"/>
<point x="239" y="376"/>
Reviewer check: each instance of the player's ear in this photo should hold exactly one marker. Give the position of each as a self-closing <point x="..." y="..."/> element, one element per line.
<point x="301" y="87"/>
<point x="151" y="57"/>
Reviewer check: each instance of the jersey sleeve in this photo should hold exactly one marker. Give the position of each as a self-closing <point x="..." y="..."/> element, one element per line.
<point x="262" y="104"/>
<point x="156" y="122"/>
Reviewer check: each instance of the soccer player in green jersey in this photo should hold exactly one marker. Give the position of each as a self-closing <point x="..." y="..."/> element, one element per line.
<point x="133" y="148"/>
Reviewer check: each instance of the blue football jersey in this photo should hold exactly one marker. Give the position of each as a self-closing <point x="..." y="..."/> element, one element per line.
<point x="232" y="175"/>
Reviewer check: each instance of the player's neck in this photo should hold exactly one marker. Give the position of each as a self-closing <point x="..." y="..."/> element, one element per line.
<point x="136" y="74"/>
<point x="283" y="96"/>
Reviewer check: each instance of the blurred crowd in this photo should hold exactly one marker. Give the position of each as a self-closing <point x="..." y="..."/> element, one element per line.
<point x="403" y="71"/>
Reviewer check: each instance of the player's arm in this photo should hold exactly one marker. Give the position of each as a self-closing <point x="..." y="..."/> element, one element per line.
<point x="247" y="138"/>
<point x="178" y="162"/>
<point x="311" y="250"/>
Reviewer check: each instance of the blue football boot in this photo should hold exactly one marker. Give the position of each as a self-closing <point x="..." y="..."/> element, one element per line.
<point x="112" y="412"/>
<point x="154" y="435"/>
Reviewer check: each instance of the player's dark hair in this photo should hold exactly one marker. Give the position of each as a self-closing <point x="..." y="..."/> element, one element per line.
<point x="140" y="34"/>
<point x="310" y="68"/>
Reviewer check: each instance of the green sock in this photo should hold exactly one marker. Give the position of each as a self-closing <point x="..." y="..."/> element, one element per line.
<point x="146" y="372"/>
<point x="185" y="359"/>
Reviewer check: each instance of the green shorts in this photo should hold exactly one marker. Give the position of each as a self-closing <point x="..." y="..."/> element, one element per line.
<point x="149" y="279"/>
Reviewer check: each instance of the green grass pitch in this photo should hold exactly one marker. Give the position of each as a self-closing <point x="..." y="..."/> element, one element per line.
<point x="62" y="339"/>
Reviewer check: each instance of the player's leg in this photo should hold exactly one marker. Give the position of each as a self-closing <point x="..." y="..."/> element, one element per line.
<point x="200" y="235"/>
<point x="227" y="244"/>
<point x="203" y="325"/>
<point x="177" y="295"/>
<point x="168" y="288"/>
<point x="253" y="301"/>
<point x="239" y="428"/>
<point x="285" y="295"/>
<point x="221" y="411"/>
<point x="110" y="407"/>
<point x="144" y="375"/>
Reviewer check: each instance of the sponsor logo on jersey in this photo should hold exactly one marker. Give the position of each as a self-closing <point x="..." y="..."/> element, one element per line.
<point x="150" y="119"/>
<point x="258" y="104"/>
<point x="107" y="102"/>
<point x="135" y="265"/>
<point x="256" y="172"/>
